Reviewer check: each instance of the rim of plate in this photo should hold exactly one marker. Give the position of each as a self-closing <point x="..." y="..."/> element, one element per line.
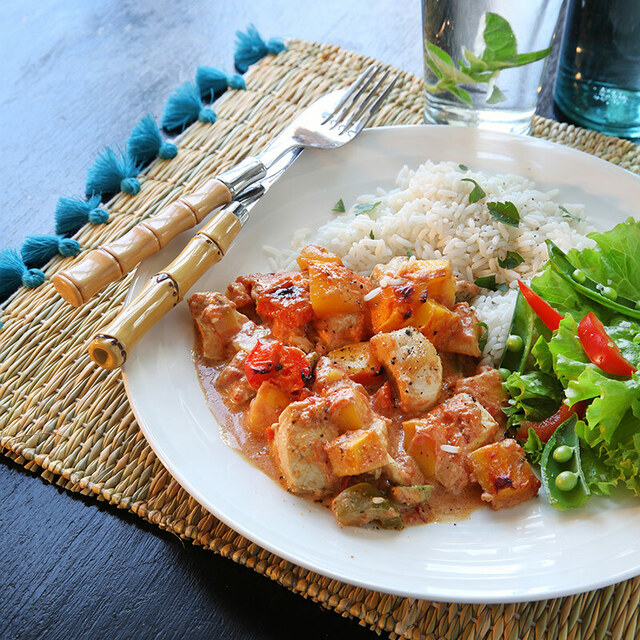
<point x="479" y="596"/>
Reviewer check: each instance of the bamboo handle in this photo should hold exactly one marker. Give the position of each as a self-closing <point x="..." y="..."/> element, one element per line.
<point x="109" y="347"/>
<point x="110" y="262"/>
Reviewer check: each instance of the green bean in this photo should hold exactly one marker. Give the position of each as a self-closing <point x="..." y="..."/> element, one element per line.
<point x="563" y="479"/>
<point x="603" y="294"/>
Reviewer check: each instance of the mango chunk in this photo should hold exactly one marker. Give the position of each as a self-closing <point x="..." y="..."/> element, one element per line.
<point x="504" y="474"/>
<point x="315" y="253"/>
<point x="356" y="452"/>
<point x="349" y="409"/>
<point x="335" y="290"/>
<point x="266" y="407"/>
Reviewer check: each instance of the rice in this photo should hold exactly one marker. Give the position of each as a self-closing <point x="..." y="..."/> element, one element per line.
<point x="429" y="216"/>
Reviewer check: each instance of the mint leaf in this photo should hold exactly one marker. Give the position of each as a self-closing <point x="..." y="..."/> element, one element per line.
<point x="339" y="206"/>
<point x="527" y="58"/>
<point x="504" y="212"/>
<point x="496" y="96"/>
<point x="499" y="40"/>
<point x="477" y="192"/>
<point x="511" y="261"/>
<point x="489" y="282"/>
<point x="461" y="94"/>
<point x="359" y="209"/>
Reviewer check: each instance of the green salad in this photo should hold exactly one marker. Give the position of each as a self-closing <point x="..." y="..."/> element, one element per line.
<point x="571" y="368"/>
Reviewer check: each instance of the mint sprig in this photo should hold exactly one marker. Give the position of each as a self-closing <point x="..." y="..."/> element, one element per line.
<point x="500" y="52"/>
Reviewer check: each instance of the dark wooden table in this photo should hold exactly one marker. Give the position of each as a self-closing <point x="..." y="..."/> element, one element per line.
<point x="76" y="76"/>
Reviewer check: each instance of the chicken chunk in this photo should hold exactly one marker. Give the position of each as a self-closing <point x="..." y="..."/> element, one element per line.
<point x="466" y="339"/>
<point x="339" y="330"/>
<point x="300" y="436"/>
<point x="504" y="474"/>
<point x="486" y="387"/>
<point x="466" y="291"/>
<point x="441" y="441"/>
<point x="218" y="322"/>
<point x="413" y="367"/>
<point x="232" y="382"/>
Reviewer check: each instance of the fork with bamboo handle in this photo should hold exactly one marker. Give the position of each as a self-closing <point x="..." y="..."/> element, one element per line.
<point x="329" y="122"/>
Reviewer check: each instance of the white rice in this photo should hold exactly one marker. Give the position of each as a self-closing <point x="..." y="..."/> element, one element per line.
<point x="429" y="215"/>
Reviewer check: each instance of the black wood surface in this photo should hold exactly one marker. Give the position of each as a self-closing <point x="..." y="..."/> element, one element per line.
<point x="76" y="76"/>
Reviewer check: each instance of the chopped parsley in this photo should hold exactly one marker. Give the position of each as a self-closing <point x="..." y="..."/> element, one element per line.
<point x="512" y="260"/>
<point x="504" y="212"/>
<point x="359" y="209"/>
<point x="476" y="193"/>
<point x="339" y="206"/>
<point x="489" y="282"/>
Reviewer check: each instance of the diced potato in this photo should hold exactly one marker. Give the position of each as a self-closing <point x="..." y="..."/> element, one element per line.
<point x="413" y="367"/>
<point x="504" y="474"/>
<point x="356" y="452"/>
<point x="315" y="253"/>
<point x="266" y="407"/>
<point x="411" y="496"/>
<point x="358" y="361"/>
<point x="334" y="289"/>
<point x="349" y="408"/>
<point x="466" y="339"/>
<point x="436" y="322"/>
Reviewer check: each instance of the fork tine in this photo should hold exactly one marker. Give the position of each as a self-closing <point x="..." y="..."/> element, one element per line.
<point x="351" y="89"/>
<point x="359" y="110"/>
<point x="373" y="109"/>
<point x="354" y="98"/>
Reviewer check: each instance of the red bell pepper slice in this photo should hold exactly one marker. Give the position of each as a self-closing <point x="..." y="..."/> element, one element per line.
<point x="546" y="428"/>
<point x="549" y="316"/>
<point x="601" y="349"/>
<point x="285" y="366"/>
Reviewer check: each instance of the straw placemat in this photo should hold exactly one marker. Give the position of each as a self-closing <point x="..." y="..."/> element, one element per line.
<point x="69" y="420"/>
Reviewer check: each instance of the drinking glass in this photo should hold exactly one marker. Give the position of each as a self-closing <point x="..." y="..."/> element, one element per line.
<point x="598" y="81"/>
<point x="492" y="53"/>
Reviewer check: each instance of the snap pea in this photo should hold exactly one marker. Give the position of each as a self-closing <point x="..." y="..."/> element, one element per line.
<point x="521" y="335"/>
<point x="601" y="293"/>
<point x="563" y="479"/>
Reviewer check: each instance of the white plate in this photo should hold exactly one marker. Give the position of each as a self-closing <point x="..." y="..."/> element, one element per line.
<point x="526" y="553"/>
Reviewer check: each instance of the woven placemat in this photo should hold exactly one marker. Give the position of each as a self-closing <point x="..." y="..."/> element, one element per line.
<point x="71" y="421"/>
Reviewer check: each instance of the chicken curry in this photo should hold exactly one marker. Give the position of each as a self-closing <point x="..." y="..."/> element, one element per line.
<point x="363" y="393"/>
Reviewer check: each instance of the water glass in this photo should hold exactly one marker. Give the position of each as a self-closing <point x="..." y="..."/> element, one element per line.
<point x="598" y="81"/>
<point x="484" y="60"/>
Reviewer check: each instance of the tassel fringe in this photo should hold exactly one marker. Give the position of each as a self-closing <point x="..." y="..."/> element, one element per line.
<point x="38" y="250"/>
<point x="14" y="272"/>
<point x="251" y="48"/>
<point x="73" y="213"/>
<point x="145" y="143"/>
<point x="212" y="82"/>
<point x="184" y="107"/>
<point x="111" y="173"/>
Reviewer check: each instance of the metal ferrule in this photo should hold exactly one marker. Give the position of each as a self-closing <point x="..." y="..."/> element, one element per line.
<point x="237" y="178"/>
<point x="238" y="210"/>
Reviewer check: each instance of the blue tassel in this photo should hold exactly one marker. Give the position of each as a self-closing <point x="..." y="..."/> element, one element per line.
<point x="250" y="48"/>
<point x="14" y="272"/>
<point x="145" y="143"/>
<point x="38" y="250"/>
<point x="183" y="107"/>
<point x="111" y="173"/>
<point x="212" y="82"/>
<point x="73" y="213"/>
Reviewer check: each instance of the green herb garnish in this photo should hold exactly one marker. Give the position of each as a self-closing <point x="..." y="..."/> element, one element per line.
<point x="409" y="253"/>
<point x="339" y="206"/>
<point x="568" y="214"/>
<point x="500" y="52"/>
<point x="489" y="282"/>
<point x="463" y="167"/>
<point x="371" y="235"/>
<point x="482" y="342"/>
<point x="477" y="192"/>
<point x="359" y="209"/>
<point x="512" y="260"/>
<point x="504" y="212"/>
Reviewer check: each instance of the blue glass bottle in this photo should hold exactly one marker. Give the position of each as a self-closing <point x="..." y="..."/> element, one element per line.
<point x="598" y="81"/>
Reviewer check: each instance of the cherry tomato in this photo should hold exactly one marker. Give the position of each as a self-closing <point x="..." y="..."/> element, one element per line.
<point x="546" y="428"/>
<point x="286" y="367"/>
<point x="549" y="316"/>
<point x="601" y="349"/>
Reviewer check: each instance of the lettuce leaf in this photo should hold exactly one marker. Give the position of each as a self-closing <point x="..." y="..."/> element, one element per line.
<point x="534" y="396"/>
<point x="621" y="456"/>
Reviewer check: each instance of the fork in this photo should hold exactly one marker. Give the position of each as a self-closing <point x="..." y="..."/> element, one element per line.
<point x="329" y="122"/>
